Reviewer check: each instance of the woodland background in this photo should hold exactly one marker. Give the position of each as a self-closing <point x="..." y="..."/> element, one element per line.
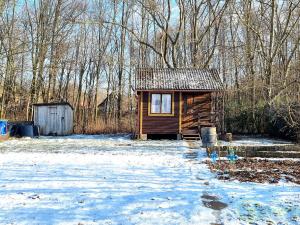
<point x="84" y="51"/>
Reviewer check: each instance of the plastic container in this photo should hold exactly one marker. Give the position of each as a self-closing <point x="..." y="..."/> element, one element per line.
<point x="26" y="131"/>
<point x="3" y="127"/>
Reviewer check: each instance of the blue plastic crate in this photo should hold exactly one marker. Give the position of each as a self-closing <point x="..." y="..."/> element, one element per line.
<point x="3" y="127"/>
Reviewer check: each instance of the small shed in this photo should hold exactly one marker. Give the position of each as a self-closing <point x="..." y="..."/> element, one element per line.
<point x="53" y="118"/>
<point x="177" y="101"/>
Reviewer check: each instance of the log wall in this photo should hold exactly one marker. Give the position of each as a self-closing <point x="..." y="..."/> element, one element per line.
<point x="199" y="103"/>
<point x="160" y="124"/>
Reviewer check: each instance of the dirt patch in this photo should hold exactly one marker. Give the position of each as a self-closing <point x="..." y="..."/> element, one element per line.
<point x="257" y="170"/>
<point x="209" y="197"/>
<point x="212" y="202"/>
<point x="215" y="205"/>
<point x="193" y="144"/>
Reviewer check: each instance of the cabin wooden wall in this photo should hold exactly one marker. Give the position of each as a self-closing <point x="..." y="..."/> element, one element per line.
<point x="197" y="110"/>
<point x="200" y="103"/>
<point x="160" y="124"/>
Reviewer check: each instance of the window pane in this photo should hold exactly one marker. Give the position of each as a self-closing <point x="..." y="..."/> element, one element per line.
<point x="155" y="103"/>
<point x="166" y="103"/>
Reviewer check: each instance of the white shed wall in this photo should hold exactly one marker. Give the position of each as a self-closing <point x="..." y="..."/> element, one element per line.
<point x="54" y="119"/>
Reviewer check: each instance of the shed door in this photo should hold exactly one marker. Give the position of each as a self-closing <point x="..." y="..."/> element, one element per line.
<point x="63" y="121"/>
<point x="52" y="120"/>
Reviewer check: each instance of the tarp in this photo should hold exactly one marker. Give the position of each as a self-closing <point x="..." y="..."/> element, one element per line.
<point x="3" y="127"/>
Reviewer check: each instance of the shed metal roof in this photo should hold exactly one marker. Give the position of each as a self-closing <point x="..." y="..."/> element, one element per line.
<point x="177" y="79"/>
<point x="53" y="104"/>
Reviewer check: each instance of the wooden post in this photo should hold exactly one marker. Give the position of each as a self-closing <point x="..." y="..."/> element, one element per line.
<point x="141" y="115"/>
<point x="223" y="113"/>
<point x="180" y="111"/>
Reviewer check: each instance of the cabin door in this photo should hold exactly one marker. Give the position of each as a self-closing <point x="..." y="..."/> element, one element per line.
<point x="189" y="112"/>
<point x="196" y="110"/>
<point x="52" y="120"/>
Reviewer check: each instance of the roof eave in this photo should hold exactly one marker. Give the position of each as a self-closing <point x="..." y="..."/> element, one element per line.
<point x="183" y="90"/>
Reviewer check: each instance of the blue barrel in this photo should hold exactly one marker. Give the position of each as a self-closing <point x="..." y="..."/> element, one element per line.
<point x="3" y="127"/>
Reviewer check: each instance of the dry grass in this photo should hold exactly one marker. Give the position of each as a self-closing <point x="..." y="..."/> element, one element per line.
<point x="111" y="126"/>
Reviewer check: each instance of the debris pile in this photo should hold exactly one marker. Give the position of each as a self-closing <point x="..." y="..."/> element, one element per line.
<point x="257" y="170"/>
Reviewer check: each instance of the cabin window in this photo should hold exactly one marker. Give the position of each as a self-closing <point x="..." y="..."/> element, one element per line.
<point x="155" y="103"/>
<point x="166" y="103"/>
<point x="161" y="104"/>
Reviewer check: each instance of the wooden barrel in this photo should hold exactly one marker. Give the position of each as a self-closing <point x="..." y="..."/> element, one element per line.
<point x="298" y="137"/>
<point x="228" y="137"/>
<point x="209" y="136"/>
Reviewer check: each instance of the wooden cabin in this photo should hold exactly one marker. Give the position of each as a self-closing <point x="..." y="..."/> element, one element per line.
<point x="111" y="99"/>
<point x="53" y="118"/>
<point x="177" y="101"/>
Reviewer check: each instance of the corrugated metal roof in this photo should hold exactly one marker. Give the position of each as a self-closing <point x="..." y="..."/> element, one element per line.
<point x="177" y="79"/>
<point x="53" y="104"/>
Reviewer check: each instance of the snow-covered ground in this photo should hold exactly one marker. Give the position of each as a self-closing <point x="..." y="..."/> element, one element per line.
<point x="252" y="141"/>
<point x="115" y="180"/>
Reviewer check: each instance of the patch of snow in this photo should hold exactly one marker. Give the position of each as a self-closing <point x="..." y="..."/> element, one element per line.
<point x="249" y="141"/>
<point x="114" y="180"/>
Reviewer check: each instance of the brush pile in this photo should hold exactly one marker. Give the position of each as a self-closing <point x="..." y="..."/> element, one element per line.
<point x="257" y="170"/>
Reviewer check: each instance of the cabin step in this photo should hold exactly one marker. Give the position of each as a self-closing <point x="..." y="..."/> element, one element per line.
<point x="190" y="132"/>
<point x="191" y="138"/>
<point x="190" y="135"/>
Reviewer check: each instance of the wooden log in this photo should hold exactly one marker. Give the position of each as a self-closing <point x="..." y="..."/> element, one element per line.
<point x="228" y="137"/>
